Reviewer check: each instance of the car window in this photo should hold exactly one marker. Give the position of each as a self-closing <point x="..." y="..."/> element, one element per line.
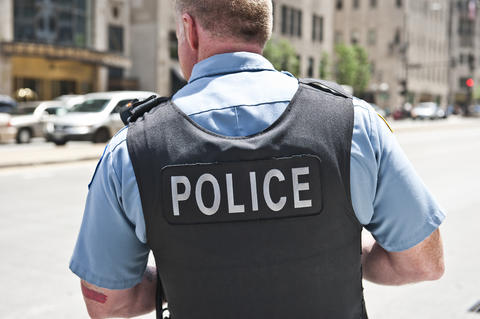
<point x="120" y="105"/>
<point x="55" y="110"/>
<point x="91" y="106"/>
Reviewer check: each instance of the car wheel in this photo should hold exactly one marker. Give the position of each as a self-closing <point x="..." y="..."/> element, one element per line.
<point x="101" y="136"/>
<point x="60" y="142"/>
<point x="24" y="135"/>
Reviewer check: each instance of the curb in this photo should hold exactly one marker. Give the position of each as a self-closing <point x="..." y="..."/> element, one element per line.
<point x="403" y="127"/>
<point x="48" y="162"/>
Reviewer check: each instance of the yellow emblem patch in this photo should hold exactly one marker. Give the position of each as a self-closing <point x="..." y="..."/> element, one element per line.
<point x="384" y="120"/>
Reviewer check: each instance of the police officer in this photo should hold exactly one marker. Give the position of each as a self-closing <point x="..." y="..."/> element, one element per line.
<point x="251" y="188"/>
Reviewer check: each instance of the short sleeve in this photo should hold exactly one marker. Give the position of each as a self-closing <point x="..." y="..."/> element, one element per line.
<point x="388" y="196"/>
<point x="110" y="251"/>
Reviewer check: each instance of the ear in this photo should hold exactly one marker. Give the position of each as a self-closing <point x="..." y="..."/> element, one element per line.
<point x="191" y="31"/>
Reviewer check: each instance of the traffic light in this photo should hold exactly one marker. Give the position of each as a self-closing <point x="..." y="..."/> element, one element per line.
<point x="469" y="83"/>
<point x="403" y="87"/>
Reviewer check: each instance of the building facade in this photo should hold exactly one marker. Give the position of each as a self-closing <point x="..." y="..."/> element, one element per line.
<point x="58" y="47"/>
<point x="464" y="50"/>
<point x="407" y="43"/>
<point x="154" y="46"/>
<point x="305" y="23"/>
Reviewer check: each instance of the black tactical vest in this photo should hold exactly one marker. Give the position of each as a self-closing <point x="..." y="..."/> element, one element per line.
<point x="257" y="227"/>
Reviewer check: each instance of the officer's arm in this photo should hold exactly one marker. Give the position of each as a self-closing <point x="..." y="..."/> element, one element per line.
<point x="135" y="301"/>
<point x="419" y="263"/>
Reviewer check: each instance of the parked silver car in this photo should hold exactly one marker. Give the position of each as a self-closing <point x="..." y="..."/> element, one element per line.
<point x="428" y="110"/>
<point x="31" y="119"/>
<point x="97" y="119"/>
<point x="7" y="104"/>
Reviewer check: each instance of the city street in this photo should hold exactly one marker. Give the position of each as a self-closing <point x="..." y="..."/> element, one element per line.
<point x="41" y="209"/>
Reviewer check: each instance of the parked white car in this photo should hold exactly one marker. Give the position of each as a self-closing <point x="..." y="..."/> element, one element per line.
<point x="428" y="110"/>
<point x="32" y="120"/>
<point x="97" y="119"/>
<point x="70" y="100"/>
<point x="7" y="131"/>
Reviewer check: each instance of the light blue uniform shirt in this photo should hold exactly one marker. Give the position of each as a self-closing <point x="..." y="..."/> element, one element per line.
<point x="240" y="94"/>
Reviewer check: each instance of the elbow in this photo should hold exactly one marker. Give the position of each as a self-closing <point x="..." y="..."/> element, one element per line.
<point x="429" y="272"/>
<point x="96" y="313"/>
<point x="436" y="271"/>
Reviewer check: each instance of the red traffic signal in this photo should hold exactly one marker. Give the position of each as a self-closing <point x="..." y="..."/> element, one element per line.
<point x="470" y="82"/>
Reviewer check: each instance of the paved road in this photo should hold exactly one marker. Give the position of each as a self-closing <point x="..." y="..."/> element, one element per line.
<point x="41" y="210"/>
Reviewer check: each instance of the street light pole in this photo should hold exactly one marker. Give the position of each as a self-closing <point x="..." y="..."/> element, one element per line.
<point x="406" y="44"/>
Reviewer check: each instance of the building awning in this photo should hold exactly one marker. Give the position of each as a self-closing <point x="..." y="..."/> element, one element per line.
<point x="67" y="53"/>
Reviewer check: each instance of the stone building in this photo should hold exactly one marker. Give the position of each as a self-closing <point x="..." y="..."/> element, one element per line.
<point x="154" y="46"/>
<point x="307" y="24"/>
<point x="464" y="49"/>
<point x="61" y="47"/>
<point x="407" y="42"/>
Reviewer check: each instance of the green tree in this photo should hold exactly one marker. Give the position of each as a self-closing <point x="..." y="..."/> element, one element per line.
<point x="282" y="55"/>
<point x="352" y="67"/>
<point x="363" y="73"/>
<point x="323" y="70"/>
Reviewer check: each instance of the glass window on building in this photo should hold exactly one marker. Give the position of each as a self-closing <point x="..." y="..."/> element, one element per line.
<point x="356" y="4"/>
<point x="373" y="3"/>
<point x="311" y="64"/>
<point x="339" y="5"/>
<point x="355" y="37"/>
<point x="317" y="28"/>
<point x="115" y="39"/>
<point x="62" y="22"/>
<point x="372" y="37"/>
<point x="338" y="37"/>
<point x="62" y="87"/>
<point x="399" y="3"/>
<point x="173" y="45"/>
<point x="397" y="37"/>
<point x="292" y="21"/>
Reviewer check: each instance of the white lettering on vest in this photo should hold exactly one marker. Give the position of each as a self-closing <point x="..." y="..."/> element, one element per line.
<point x="176" y="197"/>
<point x="216" y="194"/>
<point x="266" y="190"/>
<point x="298" y="187"/>
<point x="253" y="191"/>
<point x="232" y="208"/>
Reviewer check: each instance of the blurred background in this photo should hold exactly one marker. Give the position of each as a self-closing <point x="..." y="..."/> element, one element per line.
<point x="68" y="67"/>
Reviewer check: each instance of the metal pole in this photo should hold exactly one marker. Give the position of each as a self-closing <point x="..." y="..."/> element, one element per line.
<point x="405" y="52"/>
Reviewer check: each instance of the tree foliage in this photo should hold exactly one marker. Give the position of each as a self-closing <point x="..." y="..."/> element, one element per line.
<point x="323" y="70"/>
<point x="282" y="55"/>
<point x="352" y="67"/>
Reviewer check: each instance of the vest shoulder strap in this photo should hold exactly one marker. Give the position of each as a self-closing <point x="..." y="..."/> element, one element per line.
<point x="137" y="108"/>
<point x="327" y="86"/>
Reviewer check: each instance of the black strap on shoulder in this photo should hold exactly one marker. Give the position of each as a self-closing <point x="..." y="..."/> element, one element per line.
<point x="327" y="86"/>
<point x="137" y="108"/>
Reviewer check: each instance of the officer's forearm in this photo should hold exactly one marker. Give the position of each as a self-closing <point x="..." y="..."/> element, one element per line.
<point x="420" y="263"/>
<point x="136" y="301"/>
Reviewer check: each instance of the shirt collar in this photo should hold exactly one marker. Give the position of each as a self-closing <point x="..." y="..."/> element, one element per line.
<point x="230" y="63"/>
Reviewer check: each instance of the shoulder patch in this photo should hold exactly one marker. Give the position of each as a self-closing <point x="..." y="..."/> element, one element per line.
<point x="386" y="122"/>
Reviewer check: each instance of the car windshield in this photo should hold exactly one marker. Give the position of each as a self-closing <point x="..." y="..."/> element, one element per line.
<point x="426" y="105"/>
<point x="90" y="106"/>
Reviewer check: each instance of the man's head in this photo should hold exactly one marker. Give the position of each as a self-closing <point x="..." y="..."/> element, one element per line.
<point x="207" y="27"/>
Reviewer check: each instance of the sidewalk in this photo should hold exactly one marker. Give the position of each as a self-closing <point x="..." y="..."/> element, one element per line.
<point x="44" y="154"/>
<point x="450" y="122"/>
<point x="47" y="153"/>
